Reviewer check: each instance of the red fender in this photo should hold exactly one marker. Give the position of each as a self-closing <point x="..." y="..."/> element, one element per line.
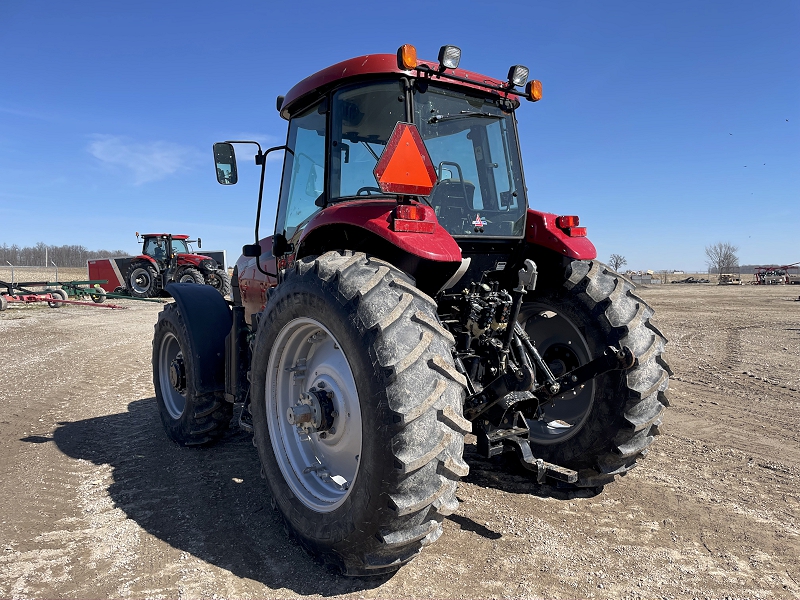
<point x="147" y="258"/>
<point x="375" y="216"/>
<point x="541" y="230"/>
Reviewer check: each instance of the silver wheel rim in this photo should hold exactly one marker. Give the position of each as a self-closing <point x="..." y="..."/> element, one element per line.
<point x="320" y="469"/>
<point x="140" y="280"/>
<point x="174" y="401"/>
<point x="187" y="279"/>
<point x="214" y="281"/>
<point x="556" y="336"/>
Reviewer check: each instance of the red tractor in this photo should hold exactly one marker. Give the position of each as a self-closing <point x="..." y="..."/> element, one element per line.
<point x="408" y="297"/>
<point x="168" y="258"/>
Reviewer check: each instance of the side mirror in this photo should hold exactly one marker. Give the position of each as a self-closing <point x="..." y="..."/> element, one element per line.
<point x="225" y="160"/>
<point x="251" y="250"/>
<point x="199" y="243"/>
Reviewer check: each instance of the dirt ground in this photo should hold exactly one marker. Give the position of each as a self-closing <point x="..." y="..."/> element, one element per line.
<point x="96" y="502"/>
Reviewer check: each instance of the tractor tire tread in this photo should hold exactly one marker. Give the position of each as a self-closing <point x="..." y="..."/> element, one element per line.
<point x="424" y="396"/>
<point x="626" y="318"/>
<point x="210" y="413"/>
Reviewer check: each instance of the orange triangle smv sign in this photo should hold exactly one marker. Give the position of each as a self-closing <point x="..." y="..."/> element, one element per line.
<point x="405" y="167"/>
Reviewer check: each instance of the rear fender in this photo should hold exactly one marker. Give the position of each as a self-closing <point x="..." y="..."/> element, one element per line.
<point x="208" y="322"/>
<point x="541" y="230"/>
<point x="375" y="217"/>
<point x="149" y="259"/>
<point x="430" y="258"/>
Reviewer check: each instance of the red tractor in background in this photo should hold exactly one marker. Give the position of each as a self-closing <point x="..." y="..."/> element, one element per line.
<point x="168" y="258"/>
<point x="408" y="297"/>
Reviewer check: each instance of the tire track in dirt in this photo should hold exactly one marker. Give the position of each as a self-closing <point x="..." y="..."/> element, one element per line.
<point x="98" y="503"/>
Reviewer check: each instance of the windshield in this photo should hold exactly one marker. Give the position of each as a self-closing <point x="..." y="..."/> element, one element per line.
<point x="179" y="247"/>
<point x="472" y="143"/>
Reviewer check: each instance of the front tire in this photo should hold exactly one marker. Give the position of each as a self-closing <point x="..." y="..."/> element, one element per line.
<point x="605" y="426"/>
<point x="190" y="275"/>
<point x="189" y="418"/>
<point x="373" y="490"/>
<point x="220" y="281"/>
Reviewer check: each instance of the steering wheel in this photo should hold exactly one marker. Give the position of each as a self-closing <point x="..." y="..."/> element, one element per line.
<point x="368" y="191"/>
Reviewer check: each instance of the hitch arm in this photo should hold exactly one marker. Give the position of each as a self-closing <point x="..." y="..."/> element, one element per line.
<point x="611" y="360"/>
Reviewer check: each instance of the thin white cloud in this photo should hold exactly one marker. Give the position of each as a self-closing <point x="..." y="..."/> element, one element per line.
<point x="147" y="162"/>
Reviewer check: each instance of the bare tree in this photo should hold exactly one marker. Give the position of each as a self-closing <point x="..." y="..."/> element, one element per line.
<point x="617" y="261"/>
<point x="722" y="257"/>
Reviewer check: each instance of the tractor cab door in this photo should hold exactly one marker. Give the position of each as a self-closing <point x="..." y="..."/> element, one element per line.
<point x="303" y="182"/>
<point x="333" y="161"/>
<point x="156" y="248"/>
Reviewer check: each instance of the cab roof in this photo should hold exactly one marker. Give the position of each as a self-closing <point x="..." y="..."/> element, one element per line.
<point x="319" y="83"/>
<point x="174" y="236"/>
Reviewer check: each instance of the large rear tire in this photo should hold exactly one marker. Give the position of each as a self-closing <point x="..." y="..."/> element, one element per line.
<point x="601" y="429"/>
<point x="189" y="418"/>
<point x="367" y="493"/>
<point x="142" y="280"/>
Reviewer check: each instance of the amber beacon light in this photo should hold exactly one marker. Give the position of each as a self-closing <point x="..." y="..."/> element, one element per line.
<point x="407" y="57"/>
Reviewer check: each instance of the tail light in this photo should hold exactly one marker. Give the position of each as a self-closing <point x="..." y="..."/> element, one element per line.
<point x="415" y="218"/>
<point x="569" y="225"/>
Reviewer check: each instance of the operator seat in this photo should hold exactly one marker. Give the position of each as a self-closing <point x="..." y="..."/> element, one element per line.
<point x="452" y="207"/>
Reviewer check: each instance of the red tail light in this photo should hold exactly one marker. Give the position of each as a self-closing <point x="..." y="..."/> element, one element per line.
<point x="569" y="225"/>
<point x="415" y="218"/>
<point x="566" y="222"/>
<point x="576" y="232"/>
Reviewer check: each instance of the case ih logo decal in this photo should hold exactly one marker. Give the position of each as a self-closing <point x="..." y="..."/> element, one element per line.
<point x="405" y="166"/>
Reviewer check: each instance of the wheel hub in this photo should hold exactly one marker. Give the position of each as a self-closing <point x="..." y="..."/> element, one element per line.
<point x="560" y="359"/>
<point x="314" y="412"/>
<point x="177" y="374"/>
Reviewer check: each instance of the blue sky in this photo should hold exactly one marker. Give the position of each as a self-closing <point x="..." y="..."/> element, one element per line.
<point x="667" y="126"/>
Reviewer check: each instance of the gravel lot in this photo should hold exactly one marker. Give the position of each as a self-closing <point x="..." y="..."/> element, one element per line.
<point x="96" y="502"/>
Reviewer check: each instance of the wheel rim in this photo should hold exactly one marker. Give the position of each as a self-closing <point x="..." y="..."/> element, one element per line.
<point x="170" y="358"/>
<point x="140" y="280"/>
<point x="214" y="281"/>
<point x="186" y="279"/>
<point x="320" y="467"/>
<point x="563" y="348"/>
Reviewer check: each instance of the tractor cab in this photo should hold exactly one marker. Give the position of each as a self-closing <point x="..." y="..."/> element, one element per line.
<point x="470" y="136"/>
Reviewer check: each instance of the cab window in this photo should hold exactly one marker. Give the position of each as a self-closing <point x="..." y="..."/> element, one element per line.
<point x="304" y="170"/>
<point x="363" y="118"/>
<point x="155" y="247"/>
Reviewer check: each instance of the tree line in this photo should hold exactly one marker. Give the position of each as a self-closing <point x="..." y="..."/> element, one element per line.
<point x="40" y="255"/>
<point x="721" y="258"/>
